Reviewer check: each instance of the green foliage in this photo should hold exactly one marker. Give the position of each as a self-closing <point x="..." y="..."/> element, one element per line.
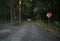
<point x="27" y="4"/>
<point x="26" y="8"/>
<point x="57" y="25"/>
<point x="31" y="9"/>
<point x="35" y="10"/>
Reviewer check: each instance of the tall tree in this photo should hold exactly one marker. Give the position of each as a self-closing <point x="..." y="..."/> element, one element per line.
<point x="19" y="11"/>
<point x="11" y="1"/>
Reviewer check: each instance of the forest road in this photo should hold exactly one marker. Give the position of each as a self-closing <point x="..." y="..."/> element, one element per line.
<point x="29" y="31"/>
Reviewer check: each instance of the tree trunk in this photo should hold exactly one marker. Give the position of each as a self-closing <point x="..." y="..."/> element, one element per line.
<point x="19" y="15"/>
<point x="19" y="12"/>
<point x="14" y="10"/>
<point x="11" y="9"/>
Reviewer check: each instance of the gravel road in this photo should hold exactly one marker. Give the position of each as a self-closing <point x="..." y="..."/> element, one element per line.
<point x="29" y="31"/>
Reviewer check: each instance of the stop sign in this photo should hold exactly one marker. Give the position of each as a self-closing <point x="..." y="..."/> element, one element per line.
<point x="49" y="14"/>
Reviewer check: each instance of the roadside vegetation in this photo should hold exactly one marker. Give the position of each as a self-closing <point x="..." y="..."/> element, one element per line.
<point x="33" y="9"/>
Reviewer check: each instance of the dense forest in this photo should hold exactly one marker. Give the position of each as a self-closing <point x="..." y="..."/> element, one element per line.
<point x="11" y="10"/>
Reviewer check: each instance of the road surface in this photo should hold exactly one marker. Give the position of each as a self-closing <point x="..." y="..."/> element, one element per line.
<point x="29" y="31"/>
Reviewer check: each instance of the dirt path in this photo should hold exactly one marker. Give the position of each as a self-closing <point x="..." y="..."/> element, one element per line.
<point x="29" y="31"/>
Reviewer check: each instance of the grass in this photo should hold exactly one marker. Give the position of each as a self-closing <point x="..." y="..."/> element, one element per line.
<point x="14" y="22"/>
<point x="55" y="25"/>
<point x="4" y="21"/>
<point x="54" y="28"/>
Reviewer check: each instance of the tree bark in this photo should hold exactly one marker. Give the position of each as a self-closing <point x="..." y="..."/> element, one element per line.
<point x="11" y="9"/>
<point x="19" y="12"/>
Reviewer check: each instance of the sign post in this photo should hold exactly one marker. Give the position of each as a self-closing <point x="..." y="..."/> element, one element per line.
<point x="49" y="15"/>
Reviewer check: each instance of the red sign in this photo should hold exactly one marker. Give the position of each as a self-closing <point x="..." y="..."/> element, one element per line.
<point x="49" y="14"/>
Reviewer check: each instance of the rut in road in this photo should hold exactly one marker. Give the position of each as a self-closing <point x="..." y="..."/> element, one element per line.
<point x="29" y="31"/>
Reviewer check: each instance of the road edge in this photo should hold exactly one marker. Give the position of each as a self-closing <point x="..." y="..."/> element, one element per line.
<point x="49" y="30"/>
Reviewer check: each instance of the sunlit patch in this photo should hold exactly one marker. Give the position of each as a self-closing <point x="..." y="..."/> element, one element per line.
<point x="29" y="19"/>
